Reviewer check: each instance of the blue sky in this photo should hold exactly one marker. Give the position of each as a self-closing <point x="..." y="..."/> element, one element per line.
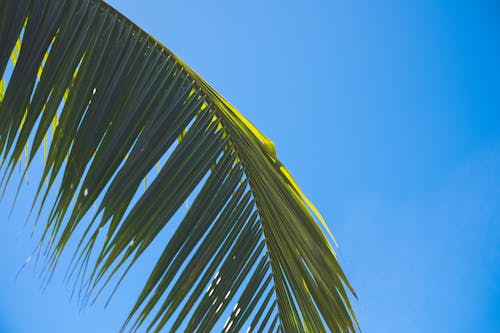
<point x="388" y="115"/>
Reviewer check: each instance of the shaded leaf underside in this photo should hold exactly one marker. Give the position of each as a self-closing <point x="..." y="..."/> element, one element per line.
<point x="109" y="104"/>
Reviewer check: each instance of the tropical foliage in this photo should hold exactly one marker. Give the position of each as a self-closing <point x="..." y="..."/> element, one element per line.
<point x="109" y="105"/>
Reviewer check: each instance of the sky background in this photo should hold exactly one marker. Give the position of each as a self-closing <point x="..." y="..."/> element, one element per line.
<point x="387" y="113"/>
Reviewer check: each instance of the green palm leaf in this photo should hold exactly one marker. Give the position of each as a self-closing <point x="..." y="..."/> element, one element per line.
<point x="113" y="103"/>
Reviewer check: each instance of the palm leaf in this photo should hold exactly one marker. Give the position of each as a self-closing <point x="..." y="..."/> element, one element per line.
<point x="109" y="103"/>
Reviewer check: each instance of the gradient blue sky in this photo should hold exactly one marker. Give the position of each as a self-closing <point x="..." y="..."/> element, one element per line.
<point x="388" y="115"/>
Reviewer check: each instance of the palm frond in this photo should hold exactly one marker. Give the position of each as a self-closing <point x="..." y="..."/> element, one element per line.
<point x="110" y="103"/>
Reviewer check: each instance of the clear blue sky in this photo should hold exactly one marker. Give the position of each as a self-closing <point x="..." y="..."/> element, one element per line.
<point x="388" y="115"/>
